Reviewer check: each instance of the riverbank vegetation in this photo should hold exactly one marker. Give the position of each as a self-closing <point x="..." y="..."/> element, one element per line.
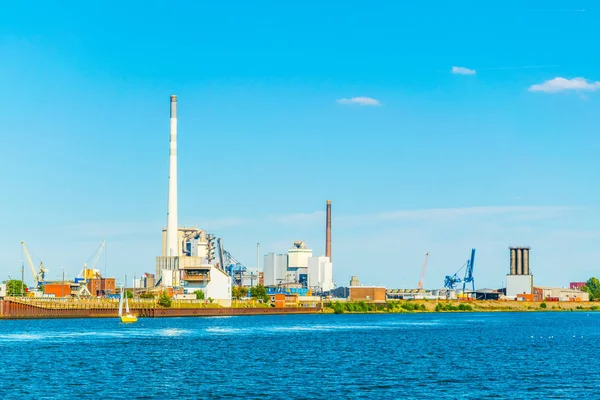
<point x="411" y="306"/>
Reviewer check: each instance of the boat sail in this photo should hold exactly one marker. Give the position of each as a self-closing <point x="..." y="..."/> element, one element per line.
<point x="128" y="317"/>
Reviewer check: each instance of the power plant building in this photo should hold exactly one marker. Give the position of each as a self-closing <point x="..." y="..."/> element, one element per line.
<point x="184" y="261"/>
<point x="519" y="280"/>
<point x="298" y="266"/>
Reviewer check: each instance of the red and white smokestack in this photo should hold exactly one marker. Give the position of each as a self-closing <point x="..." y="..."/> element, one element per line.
<point x="172" y="245"/>
<point x="328" y="231"/>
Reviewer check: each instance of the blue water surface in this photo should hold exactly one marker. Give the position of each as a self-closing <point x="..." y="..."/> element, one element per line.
<point x="392" y="356"/>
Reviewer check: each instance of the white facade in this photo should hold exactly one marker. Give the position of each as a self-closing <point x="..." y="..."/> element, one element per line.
<point x="216" y="287"/>
<point x="320" y="273"/>
<point x="2" y="290"/>
<point x="298" y="255"/>
<point x="168" y="276"/>
<point x="275" y="269"/>
<point x="564" y="294"/>
<point x="518" y="284"/>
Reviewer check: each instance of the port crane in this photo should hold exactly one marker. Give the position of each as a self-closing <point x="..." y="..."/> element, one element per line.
<point x="39" y="276"/>
<point x="450" y="282"/>
<point x="233" y="267"/>
<point x="95" y="258"/>
<point x="420" y="285"/>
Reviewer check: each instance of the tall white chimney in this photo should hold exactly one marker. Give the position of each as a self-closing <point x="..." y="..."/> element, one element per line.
<point x="172" y="245"/>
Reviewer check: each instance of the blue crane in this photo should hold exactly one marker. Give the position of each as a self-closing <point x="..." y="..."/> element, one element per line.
<point x="450" y="282"/>
<point x="233" y="267"/>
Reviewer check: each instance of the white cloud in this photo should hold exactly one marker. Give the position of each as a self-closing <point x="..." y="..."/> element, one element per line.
<point x="560" y="84"/>
<point x="361" y="101"/>
<point x="463" y="71"/>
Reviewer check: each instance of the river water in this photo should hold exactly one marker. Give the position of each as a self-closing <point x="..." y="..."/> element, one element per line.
<point x="397" y="356"/>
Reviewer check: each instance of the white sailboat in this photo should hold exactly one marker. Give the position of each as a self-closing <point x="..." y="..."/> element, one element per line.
<point x="127" y="317"/>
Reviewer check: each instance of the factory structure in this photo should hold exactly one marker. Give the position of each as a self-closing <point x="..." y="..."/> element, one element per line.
<point x="187" y="258"/>
<point x="520" y="285"/>
<point x="519" y="280"/>
<point x="299" y="267"/>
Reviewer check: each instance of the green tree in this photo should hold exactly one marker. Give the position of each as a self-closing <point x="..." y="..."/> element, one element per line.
<point x="237" y="292"/>
<point x="128" y="294"/>
<point x="259" y="292"/>
<point x="147" y="296"/>
<point x="592" y="286"/>
<point x="164" y="300"/>
<point x="15" y="288"/>
<point x="199" y="295"/>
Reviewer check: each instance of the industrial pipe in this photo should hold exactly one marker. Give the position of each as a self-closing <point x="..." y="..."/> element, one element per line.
<point x="172" y="245"/>
<point x="328" y="231"/>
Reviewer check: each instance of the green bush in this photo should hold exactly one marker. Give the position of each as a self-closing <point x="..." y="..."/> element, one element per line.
<point x="451" y="307"/>
<point x="543" y="305"/>
<point x="164" y="300"/>
<point x="147" y="296"/>
<point x="338" y="308"/>
<point x="594" y="308"/>
<point x="199" y="295"/>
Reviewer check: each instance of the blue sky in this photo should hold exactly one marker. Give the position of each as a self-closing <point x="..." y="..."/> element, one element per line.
<point x="283" y="105"/>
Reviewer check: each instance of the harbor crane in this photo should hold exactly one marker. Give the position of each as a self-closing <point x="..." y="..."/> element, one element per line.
<point x="233" y="267"/>
<point x="95" y="258"/>
<point x="40" y="275"/>
<point x="450" y="282"/>
<point x="420" y="285"/>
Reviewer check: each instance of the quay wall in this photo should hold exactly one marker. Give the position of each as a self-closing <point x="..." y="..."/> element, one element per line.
<point x="14" y="309"/>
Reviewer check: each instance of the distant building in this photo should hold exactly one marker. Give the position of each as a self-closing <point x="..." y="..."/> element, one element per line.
<point x="275" y="269"/>
<point x="354" y="281"/>
<point x="519" y="280"/>
<point x="560" y="294"/>
<point x="298" y="266"/>
<point x="298" y="255"/>
<point x="2" y="290"/>
<point x="320" y="273"/>
<point x="375" y="294"/>
<point x="212" y="281"/>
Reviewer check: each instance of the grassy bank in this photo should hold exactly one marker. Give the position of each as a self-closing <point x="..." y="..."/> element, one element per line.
<point x="457" y="306"/>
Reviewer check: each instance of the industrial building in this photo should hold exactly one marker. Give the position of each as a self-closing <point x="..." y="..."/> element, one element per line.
<point x="299" y="266"/>
<point x="187" y="253"/>
<point x="376" y="294"/>
<point x="544" y="293"/>
<point x="520" y="279"/>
